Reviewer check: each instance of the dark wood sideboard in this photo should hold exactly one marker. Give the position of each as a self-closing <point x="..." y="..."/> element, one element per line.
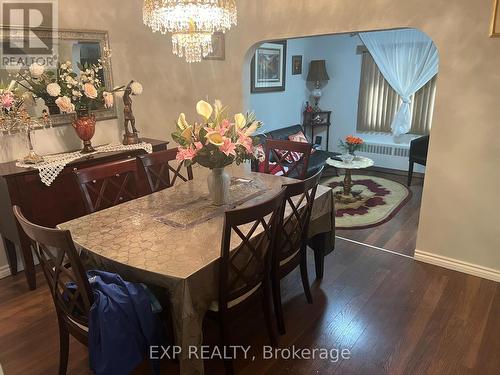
<point x="47" y="205"/>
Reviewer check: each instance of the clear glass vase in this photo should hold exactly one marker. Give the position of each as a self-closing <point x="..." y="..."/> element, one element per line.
<point x="218" y="181"/>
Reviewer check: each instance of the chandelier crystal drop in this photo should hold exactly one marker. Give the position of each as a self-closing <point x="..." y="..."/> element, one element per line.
<point x="191" y="22"/>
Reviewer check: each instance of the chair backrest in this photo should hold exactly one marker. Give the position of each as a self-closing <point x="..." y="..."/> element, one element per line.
<point x="291" y="157"/>
<point x="162" y="170"/>
<point x="108" y="184"/>
<point x="62" y="268"/>
<point x="299" y="197"/>
<point x="244" y="268"/>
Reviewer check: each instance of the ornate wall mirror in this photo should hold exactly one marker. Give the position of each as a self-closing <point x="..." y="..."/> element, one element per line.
<point x="80" y="47"/>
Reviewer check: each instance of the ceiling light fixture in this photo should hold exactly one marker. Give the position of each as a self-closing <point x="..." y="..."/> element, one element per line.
<point x="191" y="22"/>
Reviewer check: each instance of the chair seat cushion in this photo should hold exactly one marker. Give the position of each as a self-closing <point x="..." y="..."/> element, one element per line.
<point x="214" y="306"/>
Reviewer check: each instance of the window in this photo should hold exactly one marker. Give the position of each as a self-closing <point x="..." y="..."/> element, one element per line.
<point x="379" y="103"/>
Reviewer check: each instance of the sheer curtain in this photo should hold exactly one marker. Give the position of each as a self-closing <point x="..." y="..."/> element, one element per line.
<point x="408" y="59"/>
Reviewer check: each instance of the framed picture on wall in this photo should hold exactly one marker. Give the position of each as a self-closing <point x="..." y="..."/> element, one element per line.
<point x="218" y="47"/>
<point x="495" y="19"/>
<point x="268" y="68"/>
<point x="296" y="65"/>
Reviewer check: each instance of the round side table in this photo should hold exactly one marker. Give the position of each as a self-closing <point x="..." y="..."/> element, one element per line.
<point x="359" y="162"/>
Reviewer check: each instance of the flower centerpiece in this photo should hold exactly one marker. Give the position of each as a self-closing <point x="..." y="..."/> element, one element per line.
<point x="215" y="143"/>
<point x="351" y="144"/>
<point x="66" y="91"/>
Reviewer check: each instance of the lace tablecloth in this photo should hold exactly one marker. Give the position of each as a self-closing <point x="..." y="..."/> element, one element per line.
<point x="52" y="165"/>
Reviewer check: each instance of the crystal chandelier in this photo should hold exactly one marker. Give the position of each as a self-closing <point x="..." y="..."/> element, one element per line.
<point x="191" y="22"/>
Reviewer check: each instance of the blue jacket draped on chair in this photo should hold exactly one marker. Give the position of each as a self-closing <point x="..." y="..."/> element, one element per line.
<point x="122" y="325"/>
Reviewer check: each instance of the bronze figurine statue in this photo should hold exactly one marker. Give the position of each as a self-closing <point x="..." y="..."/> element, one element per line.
<point x="130" y="137"/>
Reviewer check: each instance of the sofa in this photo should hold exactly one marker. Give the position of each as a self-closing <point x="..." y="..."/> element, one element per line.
<point x="317" y="158"/>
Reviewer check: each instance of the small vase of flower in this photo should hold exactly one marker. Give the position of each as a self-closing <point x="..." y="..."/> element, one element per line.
<point x="218" y="182"/>
<point x="351" y="144"/>
<point x="216" y="143"/>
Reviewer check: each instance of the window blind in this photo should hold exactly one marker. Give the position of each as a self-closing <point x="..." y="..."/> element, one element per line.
<point x="378" y="102"/>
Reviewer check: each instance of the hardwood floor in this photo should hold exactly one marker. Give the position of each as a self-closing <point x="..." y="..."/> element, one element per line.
<point x="395" y="316"/>
<point x="400" y="233"/>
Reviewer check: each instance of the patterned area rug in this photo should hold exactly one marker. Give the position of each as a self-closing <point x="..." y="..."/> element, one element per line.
<point x="381" y="200"/>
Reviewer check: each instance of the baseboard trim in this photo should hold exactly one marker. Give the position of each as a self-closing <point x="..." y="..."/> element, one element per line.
<point x="458" y="265"/>
<point x="4" y="271"/>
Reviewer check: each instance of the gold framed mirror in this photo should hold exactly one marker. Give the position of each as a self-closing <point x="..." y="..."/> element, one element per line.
<point x="80" y="47"/>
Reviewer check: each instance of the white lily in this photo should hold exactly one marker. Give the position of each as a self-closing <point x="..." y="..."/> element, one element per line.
<point x="240" y="120"/>
<point x="181" y="122"/>
<point x="252" y="128"/>
<point x="204" y="109"/>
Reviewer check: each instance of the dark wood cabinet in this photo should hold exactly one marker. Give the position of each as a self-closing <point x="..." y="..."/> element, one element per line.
<point x="47" y="205"/>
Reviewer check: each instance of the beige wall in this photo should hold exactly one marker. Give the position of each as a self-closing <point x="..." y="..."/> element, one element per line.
<point x="460" y="203"/>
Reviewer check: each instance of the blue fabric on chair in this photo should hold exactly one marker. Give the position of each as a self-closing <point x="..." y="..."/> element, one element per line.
<point x="122" y="325"/>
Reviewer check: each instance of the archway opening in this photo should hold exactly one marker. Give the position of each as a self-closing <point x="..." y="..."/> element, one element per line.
<point x="332" y="87"/>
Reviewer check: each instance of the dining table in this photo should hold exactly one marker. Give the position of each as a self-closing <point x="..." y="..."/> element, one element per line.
<point x="171" y="239"/>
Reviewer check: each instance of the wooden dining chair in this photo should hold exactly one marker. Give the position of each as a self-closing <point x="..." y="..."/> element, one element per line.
<point x="291" y="243"/>
<point x="291" y="157"/>
<point x="106" y="185"/>
<point x="159" y="170"/>
<point x="244" y="272"/>
<point x="61" y="265"/>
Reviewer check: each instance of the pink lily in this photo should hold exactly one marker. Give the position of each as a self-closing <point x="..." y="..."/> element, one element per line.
<point x="228" y="148"/>
<point x="245" y="141"/>
<point x="185" y="154"/>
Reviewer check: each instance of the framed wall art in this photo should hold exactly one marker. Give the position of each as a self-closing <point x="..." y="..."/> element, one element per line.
<point x="268" y="67"/>
<point x="218" y="47"/>
<point x="296" y="65"/>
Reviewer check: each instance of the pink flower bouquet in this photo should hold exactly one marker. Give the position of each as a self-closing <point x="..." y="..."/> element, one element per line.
<point x="217" y="141"/>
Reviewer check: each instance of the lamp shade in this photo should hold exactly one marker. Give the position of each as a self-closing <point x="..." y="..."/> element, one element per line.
<point x="317" y="71"/>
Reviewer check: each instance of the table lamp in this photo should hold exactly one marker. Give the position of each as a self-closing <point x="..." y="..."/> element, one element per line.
<point x="317" y="74"/>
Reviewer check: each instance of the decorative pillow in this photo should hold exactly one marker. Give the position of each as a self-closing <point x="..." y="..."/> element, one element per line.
<point x="300" y="137"/>
<point x="291" y="156"/>
<point x="274" y="168"/>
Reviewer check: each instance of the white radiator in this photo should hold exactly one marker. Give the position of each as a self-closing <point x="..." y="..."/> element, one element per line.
<point x="381" y="149"/>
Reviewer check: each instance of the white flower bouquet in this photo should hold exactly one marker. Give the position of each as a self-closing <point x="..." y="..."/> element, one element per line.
<point x="65" y="89"/>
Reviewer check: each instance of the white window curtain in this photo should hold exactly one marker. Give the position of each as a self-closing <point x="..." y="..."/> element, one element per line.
<point x="407" y="59"/>
<point x="378" y="103"/>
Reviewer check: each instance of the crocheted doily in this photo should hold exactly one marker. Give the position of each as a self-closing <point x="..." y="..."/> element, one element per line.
<point x="52" y="165"/>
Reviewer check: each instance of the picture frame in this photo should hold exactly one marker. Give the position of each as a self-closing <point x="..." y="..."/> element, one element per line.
<point x="495" y="20"/>
<point x="218" y="46"/>
<point x="268" y="68"/>
<point x="296" y="65"/>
